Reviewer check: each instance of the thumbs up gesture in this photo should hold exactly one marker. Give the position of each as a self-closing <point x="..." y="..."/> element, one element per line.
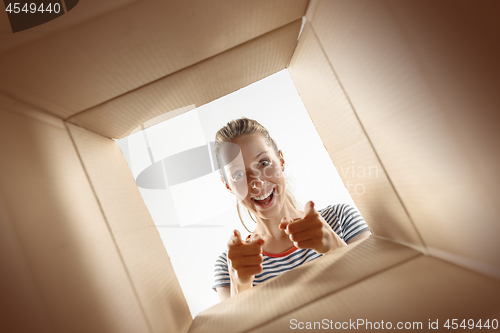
<point x="311" y="231"/>
<point x="244" y="259"/>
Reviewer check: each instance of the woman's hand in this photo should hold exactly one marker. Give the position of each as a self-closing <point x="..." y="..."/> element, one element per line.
<point x="311" y="231"/>
<point x="244" y="261"/>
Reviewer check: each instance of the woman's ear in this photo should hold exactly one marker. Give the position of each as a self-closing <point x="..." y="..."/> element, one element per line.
<point x="227" y="186"/>
<point x="282" y="160"/>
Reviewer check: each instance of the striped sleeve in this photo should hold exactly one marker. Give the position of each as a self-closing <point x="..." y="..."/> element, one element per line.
<point x="345" y="220"/>
<point x="221" y="273"/>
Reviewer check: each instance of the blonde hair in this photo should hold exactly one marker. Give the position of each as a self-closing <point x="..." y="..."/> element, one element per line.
<point x="236" y="128"/>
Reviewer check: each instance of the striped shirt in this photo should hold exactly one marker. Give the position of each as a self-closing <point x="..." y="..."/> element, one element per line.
<point x="345" y="220"/>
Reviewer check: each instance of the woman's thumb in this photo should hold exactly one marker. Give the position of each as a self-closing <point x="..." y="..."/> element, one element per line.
<point x="258" y="239"/>
<point x="237" y="237"/>
<point x="284" y="223"/>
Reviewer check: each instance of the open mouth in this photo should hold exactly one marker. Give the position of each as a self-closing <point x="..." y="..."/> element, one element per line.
<point x="264" y="200"/>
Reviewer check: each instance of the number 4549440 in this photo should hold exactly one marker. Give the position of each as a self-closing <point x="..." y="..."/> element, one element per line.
<point x="33" y="8"/>
<point x="470" y="324"/>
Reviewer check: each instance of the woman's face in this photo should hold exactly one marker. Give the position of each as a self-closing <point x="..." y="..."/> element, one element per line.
<point x="255" y="175"/>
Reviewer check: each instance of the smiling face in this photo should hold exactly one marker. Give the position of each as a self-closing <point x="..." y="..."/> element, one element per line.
<point x="255" y="175"/>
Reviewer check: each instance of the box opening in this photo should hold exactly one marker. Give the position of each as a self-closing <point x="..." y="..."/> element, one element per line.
<point x="174" y="166"/>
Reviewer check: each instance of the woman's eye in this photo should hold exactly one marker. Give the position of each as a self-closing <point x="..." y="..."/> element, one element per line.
<point x="238" y="175"/>
<point x="265" y="163"/>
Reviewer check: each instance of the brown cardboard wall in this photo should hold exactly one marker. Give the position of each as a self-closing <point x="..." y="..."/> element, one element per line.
<point x="420" y="290"/>
<point x="389" y="84"/>
<point x="297" y="289"/>
<point x="423" y="86"/>
<point x="349" y="147"/>
<point x="195" y="85"/>
<point x="134" y="232"/>
<point x="66" y="255"/>
<point x="87" y="10"/>
<point x="93" y="260"/>
<point x="19" y="291"/>
<point x="122" y="50"/>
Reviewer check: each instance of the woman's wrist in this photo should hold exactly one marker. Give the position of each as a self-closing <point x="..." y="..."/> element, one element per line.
<point x="333" y="242"/>
<point x="337" y="242"/>
<point x="238" y="286"/>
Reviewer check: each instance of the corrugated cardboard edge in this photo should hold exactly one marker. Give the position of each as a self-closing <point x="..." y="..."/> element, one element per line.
<point x="62" y="238"/>
<point x="420" y="290"/>
<point x="206" y="81"/>
<point x="348" y="144"/>
<point x="132" y="46"/>
<point x="304" y="285"/>
<point x="140" y="246"/>
<point x="401" y="65"/>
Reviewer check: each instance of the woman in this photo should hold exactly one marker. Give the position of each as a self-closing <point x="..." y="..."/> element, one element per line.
<point x="285" y="237"/>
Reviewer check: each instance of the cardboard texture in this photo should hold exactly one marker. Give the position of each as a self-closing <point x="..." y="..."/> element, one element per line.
<point x="74" y="266"/>
<point x="403" y="86"/>
<point x="413" y="81"/>
<point x="420" y="290"/>
<point x="87" y="10"/>
<point x="205" y="81"/>
<point x="347" y="143"/>
<point x="132" y="46"/>
<point x="134" y="232"/>
<point x="302" y="286"/>
<point x="18" y="289"/>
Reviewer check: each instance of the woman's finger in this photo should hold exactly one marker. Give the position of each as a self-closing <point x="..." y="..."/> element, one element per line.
<point x="314" y="234"/>
<point x="257" y="239"/>
<point x="308" y="244"/>
<point x="235" y="239"/>
<point x="250" y="249"/>
<point x="246" y="272"/>
<point x="309" y="209"/>
<point x="252" y="260"/>
<point x="238" y="236"/>
<point x="285" y="221"/>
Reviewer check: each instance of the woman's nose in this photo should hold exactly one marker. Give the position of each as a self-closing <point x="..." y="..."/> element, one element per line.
<point x="256" y="184"/>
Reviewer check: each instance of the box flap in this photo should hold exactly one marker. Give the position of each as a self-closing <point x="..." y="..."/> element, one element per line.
<point x="19" y="291"/>
<point x="302" y="286"/>
<point x="348" y="145"/>
<point x="193" y="86"/>
<point x="87" y="10"/>
<point x="417" y="292"/>
<point x="425" y="88"/>
<point x="134" y="232"/>
<point x="74" y="267"/>
<point x="127" y="48"/>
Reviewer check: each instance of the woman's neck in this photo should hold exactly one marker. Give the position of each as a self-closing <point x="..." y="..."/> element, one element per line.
<point x="269" y="228"/>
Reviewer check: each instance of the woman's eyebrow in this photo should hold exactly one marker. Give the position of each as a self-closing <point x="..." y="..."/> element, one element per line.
<point x="259" y="154"/>
<point x="235" y="168"/>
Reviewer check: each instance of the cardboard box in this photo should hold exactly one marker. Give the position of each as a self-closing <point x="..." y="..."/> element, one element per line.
<point x="408" y="86"/>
